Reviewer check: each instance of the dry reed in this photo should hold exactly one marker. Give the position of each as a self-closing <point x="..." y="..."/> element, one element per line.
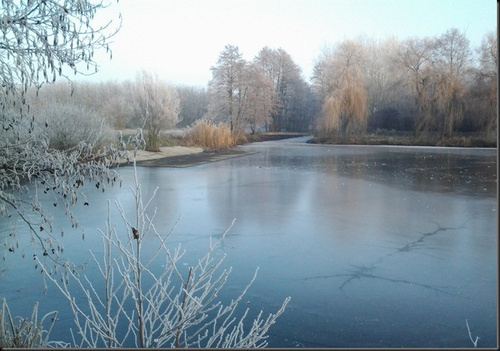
<point x="211" y="136"/>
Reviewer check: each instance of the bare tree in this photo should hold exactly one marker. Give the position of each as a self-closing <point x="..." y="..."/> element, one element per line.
<point x="483" y="101"/>
<point x="117" y="108"/>
<point x="266" y="91"/>
<point x="258" y="96"/>
<point x="415" y="58"/>
<point x="321" y="77"/>
<point x="156" y="105"/>
<point x="40" y="41"/>
<point x="226" y="89"/>
<point x="345" y="109"/>
<point x="386" y="94"/>
<point x="437" y="70"/>
<point x="286" y="78"/>
<point x="488" y="56"/>
<point x="452" y="61"/>
<point x="193" y="104"/>
<point x="302" y="107"/>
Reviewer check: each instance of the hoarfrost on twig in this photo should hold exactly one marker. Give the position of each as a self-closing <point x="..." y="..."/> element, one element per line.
<point x="474" y="342"/>
<point x="171" y="308"/>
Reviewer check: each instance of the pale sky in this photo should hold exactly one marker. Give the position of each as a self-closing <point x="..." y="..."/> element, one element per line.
<point x="181" y="39"/>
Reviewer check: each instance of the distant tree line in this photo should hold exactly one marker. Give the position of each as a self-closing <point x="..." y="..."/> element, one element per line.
<point x="266" y="94"/>
<point x="420" y="86"/>
<point x="426" y="85"/>
<point x="81" y="110"/>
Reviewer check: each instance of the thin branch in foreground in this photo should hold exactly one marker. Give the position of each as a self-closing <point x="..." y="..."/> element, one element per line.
<point x="167" y="307"/>
<point x="474" y="342"/>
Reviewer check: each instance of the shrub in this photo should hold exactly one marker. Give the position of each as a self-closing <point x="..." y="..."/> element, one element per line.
<point x="67" y="124"/>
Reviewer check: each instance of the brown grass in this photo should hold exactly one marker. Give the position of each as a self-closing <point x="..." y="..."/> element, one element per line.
<point x="211" y="136"/>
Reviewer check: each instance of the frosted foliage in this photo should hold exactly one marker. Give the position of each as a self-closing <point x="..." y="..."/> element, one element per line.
<point x="193" y="103"/>
<point x="436" y="70"/>
<point x="40" y="38"/>
<point x="452" y="62"/>
<point x="226" y="89"/>
<point x="487" y="81"/>
<point x="286" y="81"/>
<point x="157" y="105"/>
<point x="240" y="93"/>
<point x="27" y="333"/>
<point x="488" y="56"/>
<point x="345" y="106"/>
<point x="39" y="42"/>
<point x="135" y="304"/>
<point x="68" y="124"/>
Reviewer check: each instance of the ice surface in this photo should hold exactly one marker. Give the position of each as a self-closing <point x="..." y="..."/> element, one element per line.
<point x="377" y="246"/>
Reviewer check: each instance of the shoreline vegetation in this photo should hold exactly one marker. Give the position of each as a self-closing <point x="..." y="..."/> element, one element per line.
<point x="407" y="139"/>
<point x="178" y="155"/>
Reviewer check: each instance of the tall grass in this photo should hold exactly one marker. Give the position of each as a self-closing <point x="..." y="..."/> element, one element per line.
<point x="211" y="136"/>
<point x="20" y="332"/>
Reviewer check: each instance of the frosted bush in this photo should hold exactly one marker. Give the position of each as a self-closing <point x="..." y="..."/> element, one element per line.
<point x="67" y="124"/>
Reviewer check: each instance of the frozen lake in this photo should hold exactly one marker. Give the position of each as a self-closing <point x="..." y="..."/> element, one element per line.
<point x="377" y="246"/>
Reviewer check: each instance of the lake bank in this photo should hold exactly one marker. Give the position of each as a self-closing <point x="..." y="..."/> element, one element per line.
<point x="187" y="156"/>
<point x="192" y="159"/>
<point x="406" y="139"/>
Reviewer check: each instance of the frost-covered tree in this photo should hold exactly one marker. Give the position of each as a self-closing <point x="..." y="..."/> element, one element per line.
<point x="345" y="108"/>
<point x="40" y="42"/>
<point x="193" y="103"/>
<point x="452" y="63"/>
<point x="226" y="89"/>
<point x="118" y="108"/>
<point x="267" y="91"/>
<point x="288" y="85"/>
<point x="157" y="105"/>
<point x="71" y="124"/>
<point x="414" y="59"/>
<point x="258" y="97"/>
<point x="484" y="99"/>
<point x="436" y="70"/>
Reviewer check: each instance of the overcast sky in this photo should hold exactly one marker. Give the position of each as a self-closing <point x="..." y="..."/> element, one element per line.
<point x="181" y="39"/>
